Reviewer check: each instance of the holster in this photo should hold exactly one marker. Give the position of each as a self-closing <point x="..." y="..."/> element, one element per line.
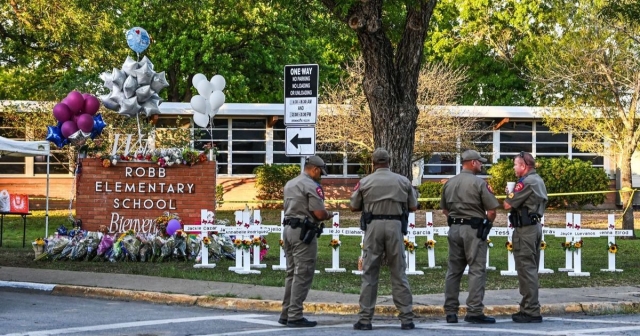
<point x="449" y="220"/>
<point x="484" y="229"/>
<point x="293" y="222"/>
<point x="404" y="222"/>
<point x="365" y="219"/>
<point x="514" y="218"/>
<point x="309" y="230"/>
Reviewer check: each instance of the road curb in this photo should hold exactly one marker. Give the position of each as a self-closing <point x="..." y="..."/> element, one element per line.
<point x="590" y="308"/>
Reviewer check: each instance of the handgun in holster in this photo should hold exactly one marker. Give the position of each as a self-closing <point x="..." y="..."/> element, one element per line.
<point x="365" y="219"/>
<point x="514" y="218"/>
<point x="484" y="229"/>
<point x="404" y="221"/>
<point x="309" y="230"/>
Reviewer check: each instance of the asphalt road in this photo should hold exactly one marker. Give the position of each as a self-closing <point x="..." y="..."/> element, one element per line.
<point x="38" y="313"/>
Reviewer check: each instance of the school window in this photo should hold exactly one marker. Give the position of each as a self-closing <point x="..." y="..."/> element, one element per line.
<point x="217" y="135"/>
<point x="248" y="145"/>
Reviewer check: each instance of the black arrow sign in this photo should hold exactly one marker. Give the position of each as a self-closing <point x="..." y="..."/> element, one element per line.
<point x="295" y="141"/>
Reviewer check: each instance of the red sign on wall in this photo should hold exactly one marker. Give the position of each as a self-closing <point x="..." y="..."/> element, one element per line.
<point x="19" y="203"/>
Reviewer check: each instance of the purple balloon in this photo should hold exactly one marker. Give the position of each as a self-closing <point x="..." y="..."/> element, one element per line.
<point x="75" y="101"/>
<point x="62" y="112"/>
<point x="85" y="95"/>
<point x="85" y="123"/>
<point x="173" y="226"/>
<point x="91" y="105"/>
<point x="68" y="128"/>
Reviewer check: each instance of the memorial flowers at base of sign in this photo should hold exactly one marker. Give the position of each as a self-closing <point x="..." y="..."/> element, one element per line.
<point x="578" y="245"/>
<point x="246" y="244"/>
<point x="206" y="241"/>
<point x="613" y="248"/>
<point x="543" y="245"/>
<point x="334" y="243"/>
<point x="566" y="245"/>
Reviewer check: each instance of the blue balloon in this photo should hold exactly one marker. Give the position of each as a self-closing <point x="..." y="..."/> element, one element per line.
<point x="138" y="39"/>
<point x="62" y="230"/>
<point x="98" y="126"/>
<point x="54" y="135"/>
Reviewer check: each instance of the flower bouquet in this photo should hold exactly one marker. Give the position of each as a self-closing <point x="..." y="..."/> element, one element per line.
<point x="543" y="245"/>
<point x="613" y="248"/>
<point x="38" y="247"/>
<point x="430" y="244"/>
<point x="409" y="245"/>
<point x="334" y="243"/>
<point x="509" y="246"/>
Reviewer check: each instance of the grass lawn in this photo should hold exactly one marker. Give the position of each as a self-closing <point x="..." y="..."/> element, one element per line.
<point x="594" y="256"/>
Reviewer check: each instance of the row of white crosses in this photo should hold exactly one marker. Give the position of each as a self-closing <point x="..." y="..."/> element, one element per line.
<point x="249" y="225"/>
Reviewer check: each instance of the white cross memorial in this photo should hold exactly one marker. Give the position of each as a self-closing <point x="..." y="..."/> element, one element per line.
<point x="244" y="230"/>
<point x="257" y="222"/>
<point x="335" y="232"/>
<point x="511" y="261"/>
<point x="207" y="220"/>
<point x="568" y="264"/>
<point x="412" y="232"/>
<point x="611" y="233"/>
<point x="431" y="253"/>
<point x="577" y="234"/>
<point x="541" y="268"/>
<point x="359" y="272"/>
<point x="279" y="229"/>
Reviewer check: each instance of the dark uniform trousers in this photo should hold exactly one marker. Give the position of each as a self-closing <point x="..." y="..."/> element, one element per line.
<point x="301" y="266"/>
<point x="526" y="252"/>
<point x="385" y="237"/>
<point x="465" y="248"/>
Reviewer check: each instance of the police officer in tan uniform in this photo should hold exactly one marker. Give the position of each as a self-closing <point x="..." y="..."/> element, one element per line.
<point x="465" y="200"/>
<point x="303" y="211"/>
<point x="384" y="197"/>
<point x="527" y="203"/>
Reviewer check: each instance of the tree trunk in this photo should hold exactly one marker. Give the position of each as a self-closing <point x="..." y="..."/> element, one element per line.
<point x="625" y="184"/>
<point x="391" y="75"/>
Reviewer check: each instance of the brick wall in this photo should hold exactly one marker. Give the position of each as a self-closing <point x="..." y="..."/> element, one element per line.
<point x="59" y="187"/>
<point x="104" y="196"/>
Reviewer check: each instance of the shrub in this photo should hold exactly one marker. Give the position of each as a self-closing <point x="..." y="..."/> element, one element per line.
<point x="270" y="180"/>
<point x="560" y="175"/>
<point x="430" y="190"/>
<point x="219" y="195"/>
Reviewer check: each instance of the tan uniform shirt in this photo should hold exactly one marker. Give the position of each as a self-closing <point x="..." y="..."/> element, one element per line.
<point x="302" y="196"/>
<point x="384" y="192"/>
<point x="467" y="196"/>
<point x="529" y="192"/>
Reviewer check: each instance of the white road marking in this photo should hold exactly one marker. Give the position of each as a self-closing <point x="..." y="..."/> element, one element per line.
<point x="27" y="285"/>
<point x="589" y="321"/>
<point x="133" y="325"/>
<point x="607" y="331"/>
<point x="281" y="329"/>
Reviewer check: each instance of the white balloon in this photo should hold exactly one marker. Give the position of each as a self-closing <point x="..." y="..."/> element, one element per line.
<point x="204" y="88"/>
<point x="216" y="99"/>
<point x="199" y="104"/>
<point x="201" y="120"/>
<point x="212" y="112"/>
<point x="218" y="82"/>
<point x="197" y="78"/>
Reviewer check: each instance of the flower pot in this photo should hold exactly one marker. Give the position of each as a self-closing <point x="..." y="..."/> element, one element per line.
<point x="37" y="249"/>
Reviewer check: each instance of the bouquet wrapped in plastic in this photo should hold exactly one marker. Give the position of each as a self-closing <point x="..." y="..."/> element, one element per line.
<point x="79" y="251"/>
<point x="146" y="248"/>
<point x="156" y="248"/>
<point x="93" y="240"/>
<point x="116" y="252"/>
<point x="227" y="247"/>
<point x="167" y="249"/>
<point x="104" y="248"/>
<point x="54" y="246"/>
<point x="130" y="247"/>
<point x="180" y="249"/>
<point x="66" y="251"/>
<point x="193" y="247"/>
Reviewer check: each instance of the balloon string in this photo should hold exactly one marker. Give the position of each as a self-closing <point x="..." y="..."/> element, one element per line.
<point x="139" y="130"/>
<point x="73" y="190"/>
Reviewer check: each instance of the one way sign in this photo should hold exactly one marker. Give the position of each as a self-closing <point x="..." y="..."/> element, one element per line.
<point x="301" y="141"/>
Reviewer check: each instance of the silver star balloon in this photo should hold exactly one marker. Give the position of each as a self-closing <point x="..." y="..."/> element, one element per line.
<point x="118" y="77"/>
<point x="143" y="93"/>
<point x="155" y="98"/>
<point x="129" y="107"/>
<point x="116" y="95"/>
<point x="78" y="138"/>
<point x="159" y="82"/>
<point x="144" y="61"/>
<point x="144" y="74"/>
<point x="150" y="108"/>
<point x="108" y="103"/>
<point x="106" y="77"/>
<point x="129" y="66"/>
<point x="129" y="87"/>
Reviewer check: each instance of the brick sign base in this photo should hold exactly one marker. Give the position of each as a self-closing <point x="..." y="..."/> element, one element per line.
<point x="130" y="195"/>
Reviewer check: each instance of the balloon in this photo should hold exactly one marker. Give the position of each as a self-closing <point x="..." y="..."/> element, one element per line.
<point x="216" y="99"/>
<point x="68" y="128"/>
<point x="129" y="87"/>
<point x="78" y="138"/>
<point x="109" y="103"/>
<point x="150" y="108"/>
<point x="144" y="61"/>
<point x="197" y="78"/>
<point x="199" y="104"/>
<point x="85" y="122"/>
<point x="98" y="126"/>
<point x="201" y="120"/>
<point x="173" y="226"/>
<point x="118" y="77"/>
<point x="61" y="112"/>
<point x="143" y="93"/>
<point x="54" y="135"/>
<point x="218" y="82"/>
<point x="205" y="88"/>
<point x="159" y="82"/>
<point x="106" y="77"/>
<point x="91" y="105"/>
<point x="75" y="101"/>
<point x="129" y="66"/>
<point x="138" y="39"/>
<point x="144" y="74"/>
<point x="129" y="107"/>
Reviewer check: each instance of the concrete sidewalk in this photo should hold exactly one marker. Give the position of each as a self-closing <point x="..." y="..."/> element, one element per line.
<point x="590" y="300"/>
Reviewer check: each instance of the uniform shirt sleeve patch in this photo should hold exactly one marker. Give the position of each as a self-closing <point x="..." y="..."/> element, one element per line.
<point x="357" y="186"/>
<point x="510" y="195"/>
<point x="320" y="192"/>
<point x="490" y="189"/>
<point x="519" y="186"/>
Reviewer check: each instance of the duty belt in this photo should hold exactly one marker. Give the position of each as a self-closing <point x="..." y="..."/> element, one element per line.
<point x="388" y="217"/>
<point x="463" y="221"/>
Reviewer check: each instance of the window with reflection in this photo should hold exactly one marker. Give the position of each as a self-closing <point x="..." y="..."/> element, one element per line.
<point x="248" y="145"/>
